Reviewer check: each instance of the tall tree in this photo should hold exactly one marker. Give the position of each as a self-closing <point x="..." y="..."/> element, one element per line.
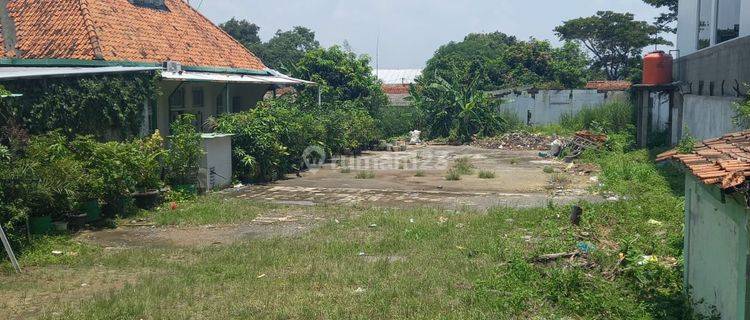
<point x="495" y="60"/>
<point x="341" y="77"/>
<point x="287" y="48"/>
<point x="242" y="30"/>
<point x="666" y="20"/>
<point x="616" y="40"/>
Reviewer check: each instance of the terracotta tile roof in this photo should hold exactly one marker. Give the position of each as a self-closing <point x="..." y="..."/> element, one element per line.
<point x="2" y="43"/>
<point x="116" y="30"/>
<point x="724" y="161"/>
<point x="609" y="85"/>
<point x="395" y="88"/>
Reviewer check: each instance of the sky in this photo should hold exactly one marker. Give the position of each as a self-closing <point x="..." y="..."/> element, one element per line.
<point x="409" y="31"/>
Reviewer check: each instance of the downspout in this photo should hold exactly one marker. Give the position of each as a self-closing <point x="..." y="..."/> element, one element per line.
<point x="226" y="104"/>
<point x="9" y="30"/>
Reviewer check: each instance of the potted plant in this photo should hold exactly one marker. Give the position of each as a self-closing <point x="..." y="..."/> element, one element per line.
<point x="148" y="184"/>
<point x="184" y="155"/>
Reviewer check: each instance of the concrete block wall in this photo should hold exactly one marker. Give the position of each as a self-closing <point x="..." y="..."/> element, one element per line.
<point x="708" y="117"/>
<point x="548" y="106"/>
<point x="716" y="250"/>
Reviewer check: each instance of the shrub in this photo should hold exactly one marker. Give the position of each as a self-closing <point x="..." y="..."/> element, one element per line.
<point x="365" y="175"/>
<point x="453" y="175"/>
<point x="608" y="118"/>
<point x="350" y="129"/>
<point x="420" y="173"/>
<point x="463" y="166"/>
<point x="399" y="121"/>
<point x="185" y="152"/>
<point x="486" y="174"/>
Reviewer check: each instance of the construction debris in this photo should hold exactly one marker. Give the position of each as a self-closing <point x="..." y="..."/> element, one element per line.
<point x="520" y="140"/>
<point x="582" y="141"/>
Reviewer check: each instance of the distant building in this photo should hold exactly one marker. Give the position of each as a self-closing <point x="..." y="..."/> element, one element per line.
<point x="396" y="84"/>
<point x="712" y="65"/>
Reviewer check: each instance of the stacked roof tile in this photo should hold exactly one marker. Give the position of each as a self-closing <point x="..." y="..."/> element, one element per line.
<point x="724" y="161"/>
<point x="117" y="30"/>
<point x="609" y="85"/>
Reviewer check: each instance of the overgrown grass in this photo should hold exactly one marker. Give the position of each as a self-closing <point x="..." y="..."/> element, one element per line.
<point x="213" y="209"/>
<point x="365" y="175"/>
<point x="453" y="175"/>
<point x="348" y="269"/>
<point x="485" y="174"/>
<point x="463" y="166"/>
<point x="611" y="117"/>
<point x="420" y="173"/>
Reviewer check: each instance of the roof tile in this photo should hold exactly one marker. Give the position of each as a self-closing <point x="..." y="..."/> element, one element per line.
<point x="116" y="30"/>
<point x="723" y="161"/>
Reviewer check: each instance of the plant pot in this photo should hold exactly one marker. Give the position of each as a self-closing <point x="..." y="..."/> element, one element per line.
<point x="93" y="210"/>
<point x="190" y="189"/>
<point x="40" y="225"/>
<point x="60" y="226"/>
<point x="77" y="221"/>
<point x="147" y="200"/>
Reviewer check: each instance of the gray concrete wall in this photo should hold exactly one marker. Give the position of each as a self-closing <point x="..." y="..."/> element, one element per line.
<point x="708" y="117"/>
<point x="716" y="249"/>
<point x="721" y="70"/>
<point x="548" y="106"/>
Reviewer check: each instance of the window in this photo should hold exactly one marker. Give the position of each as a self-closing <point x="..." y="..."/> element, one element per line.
<point x="236" y="104"/>
<point x="705" y="9"/>
<point x="177" y="99"/>
<point x="727" y="20"/>
<point x="220" y="107"/>
<point x="198" y="98"/>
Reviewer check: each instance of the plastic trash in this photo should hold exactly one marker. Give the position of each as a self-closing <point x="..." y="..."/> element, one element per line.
<point x="415" y="137"/>
<point x="586" y="247"/>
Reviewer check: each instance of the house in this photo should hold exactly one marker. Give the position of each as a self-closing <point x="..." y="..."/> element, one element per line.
<point x="203" y="70"/>
<point x="717" y="224"/>
<point x="712" y="65"/>
<point x="396" y="83"/>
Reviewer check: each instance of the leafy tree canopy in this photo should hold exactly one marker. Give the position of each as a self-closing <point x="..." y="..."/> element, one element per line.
<point x="616" y="41"/>
<point x="665" y="20"/>
<point x="242" y="30"/>
<point x="341" y="76"/>
<point x="496" y="60"/>
<point x="287" y="48"/>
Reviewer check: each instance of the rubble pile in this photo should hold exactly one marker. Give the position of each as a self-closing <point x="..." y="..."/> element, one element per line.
<point x="515" y="141"/>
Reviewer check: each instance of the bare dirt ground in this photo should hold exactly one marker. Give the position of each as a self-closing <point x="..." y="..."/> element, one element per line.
<point x="519" y="181"/>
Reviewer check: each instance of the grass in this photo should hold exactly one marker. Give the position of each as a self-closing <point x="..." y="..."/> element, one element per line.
<point x="420" y="173"/>
<point x="486" y="267"/>
<point x="213" y="209"/>
<point x="453" y="175"/>
<point x="484" y="174"/>
<point x="346" y="170"/>
<point x="463" y="166"/>
<point x="559" y="180"/>
<point x="365" y="175"/>
<point x="548" y="169"/>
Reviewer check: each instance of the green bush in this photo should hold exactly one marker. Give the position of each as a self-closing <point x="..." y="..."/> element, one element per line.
<point x="608" y="118"/>
<point x="350" y="128"/>
<point x="185" y="152"/>
<point x="399" y="121"/>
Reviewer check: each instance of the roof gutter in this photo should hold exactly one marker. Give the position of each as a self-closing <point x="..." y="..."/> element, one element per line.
<point x="15" y="62"/>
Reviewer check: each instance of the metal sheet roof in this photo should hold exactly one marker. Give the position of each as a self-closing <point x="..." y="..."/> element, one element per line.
<point x="14" y="73"/>
<point x="276" y="78"/>
<point x="397" y="76"/>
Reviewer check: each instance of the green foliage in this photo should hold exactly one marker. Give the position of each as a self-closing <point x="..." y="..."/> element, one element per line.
<point x="458" y="112"/>
<point x="496" y="60"/>
<point x="453" y="175"/>
<point x="270" y="139"/>
<point x="608" y="118"/>
<point x="687" y="144"/>
<point x="665" y="20"/>
<point x="741" y="116"/>
<point x="615" y="39"/>
<point x="287" y="48"/>
<point x="365" y="175"/>
<point x="420" y="173"/>
<point x="350" y="129"/>
<point x="243" y="31"/>
<point x="185" y="152"/>
<point x="341" y="76"/>
<point x="397" y="121"/>
<point x="105" y="106"/>
<point x="484" y="174"/>
<point x="463" y="166"/>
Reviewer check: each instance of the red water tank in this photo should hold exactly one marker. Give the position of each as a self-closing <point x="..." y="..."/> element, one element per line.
<point x="657" y="68"/>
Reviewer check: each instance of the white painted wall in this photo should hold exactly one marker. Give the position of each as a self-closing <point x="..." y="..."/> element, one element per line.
<point x="548" y="106"/>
